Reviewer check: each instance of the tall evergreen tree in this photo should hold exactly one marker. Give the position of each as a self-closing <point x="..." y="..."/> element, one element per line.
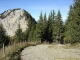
<point x="45" y="28"/>
<point x="76" y="8"/>
<point x="31" y="36"/>
<point x="29" y="33"/>
<point x="58" y="27"/>
<point x="53" y="24"/>
<point x="18" y="34"/>
<point x="3" y="38"/>
<point x="39" y="28"/>
<point x="69" y="30"/>
<point x="49" y="28"/>
<point x="74" y="18"/>
<point x="50" y="23"/>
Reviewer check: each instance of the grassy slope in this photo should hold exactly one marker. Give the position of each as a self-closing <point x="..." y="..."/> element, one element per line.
<point x="12" y="53"/>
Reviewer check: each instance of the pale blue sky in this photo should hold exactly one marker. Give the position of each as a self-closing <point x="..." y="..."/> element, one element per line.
<point x="34" y="7"/>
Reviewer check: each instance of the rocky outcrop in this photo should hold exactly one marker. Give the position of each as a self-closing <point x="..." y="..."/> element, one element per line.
<point x="11" y="18"/>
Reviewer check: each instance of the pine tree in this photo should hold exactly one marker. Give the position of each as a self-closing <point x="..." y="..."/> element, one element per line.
<point x="76" y="24"/>
<point x="58" y="27"/>
<point x="28" y="35"/>
<point x="39" y="28"/>
<point x="53" y="24"/>
<point x="49" y="28"/>
<point x="50" y="23"/>
<point x="18" y="34"/>
<point x="45" y="28"/>
<point x="31" y="36"/>
<point x="3" y="38"/>
<point x="28" y="30"/>
<point x="69" y="27"/>
<point x="73" y="21"/>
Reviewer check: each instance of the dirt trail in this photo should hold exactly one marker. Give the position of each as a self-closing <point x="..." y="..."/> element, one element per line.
<point x="49" y="52"/>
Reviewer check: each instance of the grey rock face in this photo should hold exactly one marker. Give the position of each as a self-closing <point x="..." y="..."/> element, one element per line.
<point x="11" y="18"/>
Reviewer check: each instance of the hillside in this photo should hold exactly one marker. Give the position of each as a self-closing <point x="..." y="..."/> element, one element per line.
<point x="12" y="17"/>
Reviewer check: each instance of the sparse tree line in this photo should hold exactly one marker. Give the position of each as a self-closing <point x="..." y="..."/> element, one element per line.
<point x="48" y="29"/>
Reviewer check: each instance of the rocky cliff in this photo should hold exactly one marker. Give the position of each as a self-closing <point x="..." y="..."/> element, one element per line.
<point x="12" y="17"/>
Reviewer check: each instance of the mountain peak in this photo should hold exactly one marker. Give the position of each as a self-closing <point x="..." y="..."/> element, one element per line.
<point x="12" y="17"/>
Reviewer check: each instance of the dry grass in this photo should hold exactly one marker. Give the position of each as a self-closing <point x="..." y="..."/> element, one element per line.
<point x="72" y="46"/>
<point x="66" y="59"/>
<point x="12" y="52"/>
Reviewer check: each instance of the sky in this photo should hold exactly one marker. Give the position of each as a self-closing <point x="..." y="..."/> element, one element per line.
<point x="34" y="7"/>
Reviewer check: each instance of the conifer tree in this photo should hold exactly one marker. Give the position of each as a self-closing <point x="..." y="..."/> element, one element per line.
<point x="39" y="28"/>
<point x="69" y="26"/>
<point x="45" y="28"/>
<point x="72" y="33"/>
<point x="50" y="23"/>
<point x="28" y="35"/>
<point x="49" y="28"/>
<point x="58" y="27"/>
<point x="18" y="34"/>
<point x="53" y="24"/>
<point x="3" y="38"/>
<point x="31" y="36"/>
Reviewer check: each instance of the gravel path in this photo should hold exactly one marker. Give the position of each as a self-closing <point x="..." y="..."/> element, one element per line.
<point x="48" y="52"/>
